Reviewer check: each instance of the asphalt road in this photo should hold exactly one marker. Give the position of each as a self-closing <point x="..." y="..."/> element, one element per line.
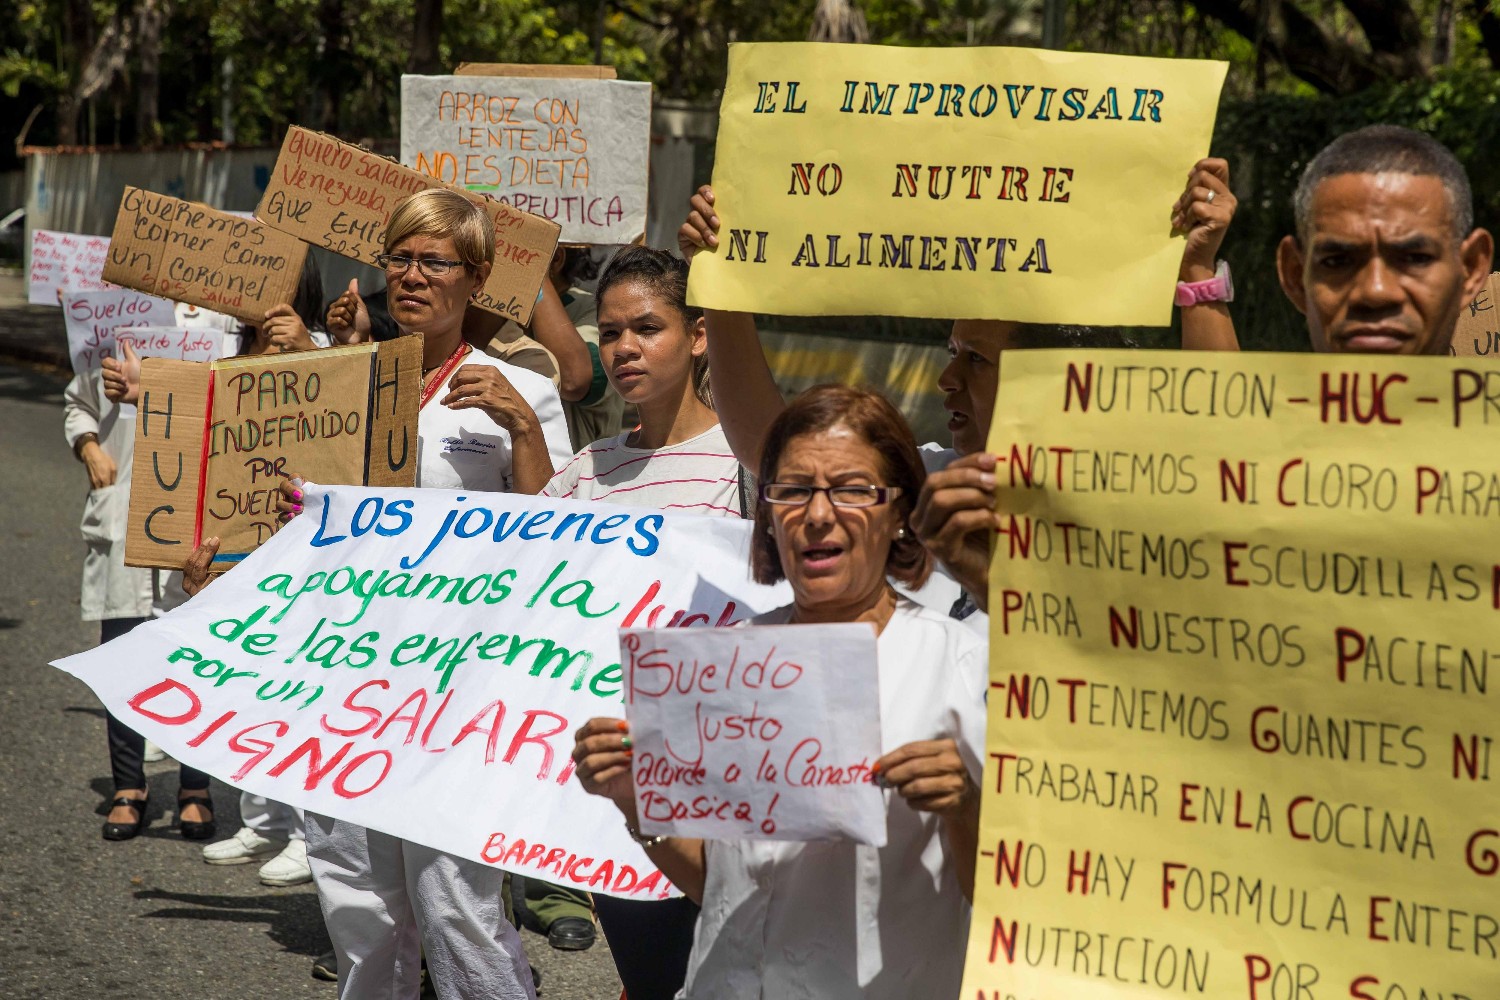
<point x="84" y="918"/>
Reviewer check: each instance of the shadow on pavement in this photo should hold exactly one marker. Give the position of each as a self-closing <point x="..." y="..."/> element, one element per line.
<point x="294" y="920"/>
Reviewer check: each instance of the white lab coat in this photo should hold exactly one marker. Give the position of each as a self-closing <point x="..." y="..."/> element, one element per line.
<point x="110" y="588"/>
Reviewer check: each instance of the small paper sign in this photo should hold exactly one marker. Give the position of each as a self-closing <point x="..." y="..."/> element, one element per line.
<point x="759" y="733"/>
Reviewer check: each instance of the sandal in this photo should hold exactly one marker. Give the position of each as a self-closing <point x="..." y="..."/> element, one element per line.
<point x="192" y="830"/>
<point x="127" y="831"/>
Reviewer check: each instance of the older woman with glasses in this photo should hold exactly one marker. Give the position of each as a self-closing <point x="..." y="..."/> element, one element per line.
<point x="835" y="919"/>
<point x="481" y="425"/>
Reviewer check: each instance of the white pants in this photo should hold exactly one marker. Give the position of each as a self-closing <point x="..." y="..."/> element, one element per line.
<point x="386" y="901"/>
<point x="271" y="819"/>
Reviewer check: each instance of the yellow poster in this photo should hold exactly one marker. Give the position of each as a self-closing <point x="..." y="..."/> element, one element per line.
<point x="988" y="183"/>
<point x="1243" y="709"/>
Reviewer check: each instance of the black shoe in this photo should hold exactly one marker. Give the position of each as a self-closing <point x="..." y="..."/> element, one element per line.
<point x="536" y="980"/>
<point x="127" y="831"/>
<point x="326" y="967"/>
<point x="192" y="830"/>
<point x="571" y="934"/>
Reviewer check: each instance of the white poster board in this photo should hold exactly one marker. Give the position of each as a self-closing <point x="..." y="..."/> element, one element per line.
<point x="760" y="733"/>
<point x="65" y="262"/>
<point x="570" y="150"/>
<point x="417" y="662"/>
<point x="92" y="318"/>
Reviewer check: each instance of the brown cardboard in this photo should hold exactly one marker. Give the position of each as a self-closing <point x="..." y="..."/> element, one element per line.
<point x="274" y="416"/>
<point x="214" y="441"/>
<point x="1478" y="330"/>
<point x="189" y="252"/>
<point x="395" y="397"/>
<point x="334" y="194"/>
<point x="535" y="70"/>
<point x="167" y="470"/>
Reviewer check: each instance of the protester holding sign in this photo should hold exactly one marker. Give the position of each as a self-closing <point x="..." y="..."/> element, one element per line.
<point x="651" y="342"/>
<point x="285" y="329"/>
<point x="954" y="500"/>
<point x="102" y="437"/>
<point x="836" y="919"/>
<point x="482" y="425"/>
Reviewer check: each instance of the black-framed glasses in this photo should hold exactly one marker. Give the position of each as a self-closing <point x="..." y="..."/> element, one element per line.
<point x="432" y="267"/>
<point x="801" y="494"/>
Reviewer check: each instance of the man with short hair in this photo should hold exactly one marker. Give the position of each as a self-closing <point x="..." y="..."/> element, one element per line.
<point x="1386" y="254"/>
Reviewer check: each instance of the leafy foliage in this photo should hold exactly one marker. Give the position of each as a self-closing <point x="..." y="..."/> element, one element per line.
<point x="1268" y="140"/>
<point x="1301" y="72"/>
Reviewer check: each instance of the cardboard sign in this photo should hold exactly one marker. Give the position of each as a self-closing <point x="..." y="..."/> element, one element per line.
<point x="1478" y="332"/>
<point x="192" y="253"/>
<point x="1242" y="731"/>
<point x="393" y="650"/>
<point x="760" y="733"/>
<point x="65" y="262"/>
<point x="968" y="183"/>
<point x="213" y="442"/>
<point x="575" y="151"/>
<point x="92" y="318"/>
<point x="336" y="195"/>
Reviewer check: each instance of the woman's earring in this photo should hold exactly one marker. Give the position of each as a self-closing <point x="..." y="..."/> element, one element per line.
<point x="901" y="533"/>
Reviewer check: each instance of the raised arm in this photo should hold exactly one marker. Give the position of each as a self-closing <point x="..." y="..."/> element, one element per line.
<point x="747" y="400"/>
<point x="1205" y="210"/>
<point x="551" y="327"/>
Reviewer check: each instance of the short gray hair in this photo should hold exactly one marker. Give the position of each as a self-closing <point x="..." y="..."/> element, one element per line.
<point x="1379" y="149"/>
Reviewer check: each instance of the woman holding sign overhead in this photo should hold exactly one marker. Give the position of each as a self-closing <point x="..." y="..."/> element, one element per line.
<point x="481" y="425"/>
<point x="835" y="919"/>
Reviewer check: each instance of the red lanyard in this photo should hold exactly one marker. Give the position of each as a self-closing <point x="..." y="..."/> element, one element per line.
<point x="440" y="377"/>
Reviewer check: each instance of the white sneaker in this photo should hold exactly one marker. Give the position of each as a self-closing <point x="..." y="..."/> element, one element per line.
<point x="289" y="867"/>
<point x="153" y="753"/>
<point x="243" y="847"/>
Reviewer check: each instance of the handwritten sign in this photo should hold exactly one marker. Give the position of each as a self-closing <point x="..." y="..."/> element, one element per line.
<point x="192" y="253"/>
<point x="1478" y="332"/>
<point x="575" y="151"/>
<point x="336" y="195"/>
<point x="984" y="183"/>
<point x="213" y="442"/>
<point x="1242" y="727"/>
<point x="65" y="262"/>
<point x="92" y="318"/>
<point x="761" y="733"/>
<point x="392" y="650"/>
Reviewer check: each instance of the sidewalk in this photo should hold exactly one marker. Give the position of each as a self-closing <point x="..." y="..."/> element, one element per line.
<point x="28" y="332"/>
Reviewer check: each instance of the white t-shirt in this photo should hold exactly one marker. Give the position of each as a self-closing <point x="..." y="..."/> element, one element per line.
<point x="837" y="920"/>
<point x="466" y="450"/>
<point x="697" y="476"/>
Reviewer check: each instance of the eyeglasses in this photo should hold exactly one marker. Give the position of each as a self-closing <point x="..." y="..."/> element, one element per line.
<point x="801" y="494"/>
<point x="431" y="267"/>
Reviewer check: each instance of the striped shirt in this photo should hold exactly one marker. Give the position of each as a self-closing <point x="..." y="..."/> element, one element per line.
<point x="697" y="476"/>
